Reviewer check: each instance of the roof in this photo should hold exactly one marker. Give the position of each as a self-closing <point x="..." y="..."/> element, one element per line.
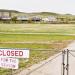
<point x="36" y="18"/>
<point x="5" y="17"/>
<point x="22" y="18"/>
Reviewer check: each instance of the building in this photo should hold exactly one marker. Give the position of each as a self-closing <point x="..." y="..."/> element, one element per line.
<point x="36" y="19"/>
<point x="49" y="19"/>
<point x="22" y="18"/>
<point x="52" y="19"/>
<point x="6" y="18"/>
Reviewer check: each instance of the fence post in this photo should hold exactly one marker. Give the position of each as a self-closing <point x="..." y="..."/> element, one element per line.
<point x="67" y="66"/>
<point x="63" y="62"/>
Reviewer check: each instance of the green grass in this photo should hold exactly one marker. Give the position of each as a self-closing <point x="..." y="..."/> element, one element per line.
<point x="55" y="40"/>
<point x="33" y="46"/>
<point x="33" y="38"/>
<point x="35" y="55"/>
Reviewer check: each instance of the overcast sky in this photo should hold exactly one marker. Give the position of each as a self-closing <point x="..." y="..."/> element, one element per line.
<point x="58" y="6"/>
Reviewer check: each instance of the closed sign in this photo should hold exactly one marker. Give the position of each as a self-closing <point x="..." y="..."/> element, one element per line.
<point x="15" y="53"/>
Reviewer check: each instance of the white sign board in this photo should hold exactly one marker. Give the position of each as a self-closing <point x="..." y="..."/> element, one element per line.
<point x="14" y="53"/>
<point x="10" y="63"/>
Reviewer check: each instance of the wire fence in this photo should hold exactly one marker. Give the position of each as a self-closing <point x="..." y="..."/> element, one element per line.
<point x="67" y="64"/>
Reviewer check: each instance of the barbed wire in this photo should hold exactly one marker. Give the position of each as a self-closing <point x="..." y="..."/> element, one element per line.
<point x="72" y="50"/>
<point x="71" y="54"/>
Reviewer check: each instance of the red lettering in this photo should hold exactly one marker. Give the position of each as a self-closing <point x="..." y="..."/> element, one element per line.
<point x="8" y="53"/>
<point x="3" y="53"/>
<point x="12" y="53"/>
<point x="20" y="53"/>
<point x="16" y="53"/>
<point x="0" y="52"/>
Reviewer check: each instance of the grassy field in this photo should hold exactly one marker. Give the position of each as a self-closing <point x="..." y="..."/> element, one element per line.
<point x="42" y="28"/>
<point x="33" y="38"/>
<point x="53" y="39"/>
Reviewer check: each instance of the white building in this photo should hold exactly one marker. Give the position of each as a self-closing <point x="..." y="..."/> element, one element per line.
<point x="52" y="19"/>
<point x="49" y="19"/>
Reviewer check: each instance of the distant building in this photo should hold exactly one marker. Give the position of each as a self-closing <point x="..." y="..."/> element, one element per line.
<point x="45" y="19"/>
<point x="5" y="18"/>
<point x="22" y="18"/>
<point x="50" y="19"/>
<point x="36" y="19"/>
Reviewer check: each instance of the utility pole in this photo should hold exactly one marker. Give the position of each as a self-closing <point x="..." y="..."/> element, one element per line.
<point x="67" y="66"/>
<point x="63" y="62"/>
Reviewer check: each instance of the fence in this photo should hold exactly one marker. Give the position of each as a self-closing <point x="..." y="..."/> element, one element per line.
<point x="67" y="56"/>
<point x="38" y="55"/>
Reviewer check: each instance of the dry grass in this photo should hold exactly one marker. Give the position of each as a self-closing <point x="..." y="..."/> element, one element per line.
<point x="47" y="28"/>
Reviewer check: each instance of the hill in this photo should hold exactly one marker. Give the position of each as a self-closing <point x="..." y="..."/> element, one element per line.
<point x="5" y="10"/>
<point x="39" y="14"/>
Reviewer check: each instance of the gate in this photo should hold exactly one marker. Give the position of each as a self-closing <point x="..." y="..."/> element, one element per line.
<point x="66" y="59"/>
